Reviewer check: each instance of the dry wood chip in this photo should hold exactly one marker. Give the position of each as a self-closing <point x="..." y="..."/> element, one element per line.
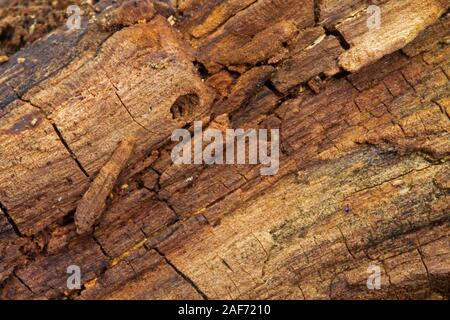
<point x="93" y="203"/>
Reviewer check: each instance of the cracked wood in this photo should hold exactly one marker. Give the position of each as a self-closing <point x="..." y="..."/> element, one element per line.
<point x="363" y="173"/>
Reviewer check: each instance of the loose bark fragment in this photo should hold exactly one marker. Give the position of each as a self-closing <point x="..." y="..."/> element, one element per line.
<point x="93" y="203"/>
<point x="220" y="15"/>
<point x="331" y="11"/>
<point x="401" y="22"/>
<point x="262" y="47"/>
<point x="239" y="30"/>
<point x="320" y="57"/>
<point x="246" y="86"/>
<point x="128" y="13"/>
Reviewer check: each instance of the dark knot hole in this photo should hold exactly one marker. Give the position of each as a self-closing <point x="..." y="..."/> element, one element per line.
<point x="185" y="105"/>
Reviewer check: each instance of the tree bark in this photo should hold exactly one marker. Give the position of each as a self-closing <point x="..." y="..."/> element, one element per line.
<point x="364" y="172"/>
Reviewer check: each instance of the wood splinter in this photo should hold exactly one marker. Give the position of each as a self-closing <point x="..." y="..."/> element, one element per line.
<point x="93" y="203"/>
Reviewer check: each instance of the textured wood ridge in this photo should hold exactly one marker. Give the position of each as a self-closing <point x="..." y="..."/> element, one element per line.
<point x="364" y="170"/>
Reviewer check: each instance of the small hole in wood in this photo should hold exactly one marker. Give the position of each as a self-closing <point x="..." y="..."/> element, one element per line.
<point x="185" y="105"/>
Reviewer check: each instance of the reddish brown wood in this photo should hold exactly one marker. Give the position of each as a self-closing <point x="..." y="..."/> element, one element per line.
<point x="364" y="171"/>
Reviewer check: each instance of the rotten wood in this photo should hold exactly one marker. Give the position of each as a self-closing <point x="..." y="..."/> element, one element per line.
<point x="93" y="203"/>
<point x="364" y="171"/>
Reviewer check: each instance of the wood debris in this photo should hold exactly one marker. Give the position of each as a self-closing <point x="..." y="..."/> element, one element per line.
<point x="363" y="116"/>
<point x="93" y="203"/>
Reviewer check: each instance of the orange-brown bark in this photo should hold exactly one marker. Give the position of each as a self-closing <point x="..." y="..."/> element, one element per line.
<point x="364" y="171"/>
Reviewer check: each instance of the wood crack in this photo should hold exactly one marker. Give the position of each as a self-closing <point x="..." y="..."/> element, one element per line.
<point x="184" y="276"/>
<point x="16" y="229"/>
<point x="69" y="150"/>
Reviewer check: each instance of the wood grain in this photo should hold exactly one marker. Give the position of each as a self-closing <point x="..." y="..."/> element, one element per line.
<point x="364" y="171"/>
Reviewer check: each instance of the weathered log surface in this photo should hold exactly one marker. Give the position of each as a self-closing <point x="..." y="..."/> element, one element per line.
<point x="364" y="171"/>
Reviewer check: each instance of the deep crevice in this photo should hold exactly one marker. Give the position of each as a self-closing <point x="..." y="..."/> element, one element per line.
<point x="23" y="282"/>
<point x="101" y="247"/>
<point x="58" y="133"/>
<point x="10" y="220"/>
<point x="185" y="277"/>
<point x="72" y="154"/>
<point x="317" y="12"/>
<point x="335" y="33"/>
<point x="67" y="219"/>
<point x="342" y="74"/>
<point x="269" y="84"/>
<point x="162" y="199"/>
<point x="202" y="71"/>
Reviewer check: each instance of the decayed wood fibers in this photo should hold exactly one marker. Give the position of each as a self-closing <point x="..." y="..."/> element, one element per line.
<point x="363" y="177"/>
<point x="395" y="31"/>
<point x="73" y="103"/>
<point x="93" y="203"/>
